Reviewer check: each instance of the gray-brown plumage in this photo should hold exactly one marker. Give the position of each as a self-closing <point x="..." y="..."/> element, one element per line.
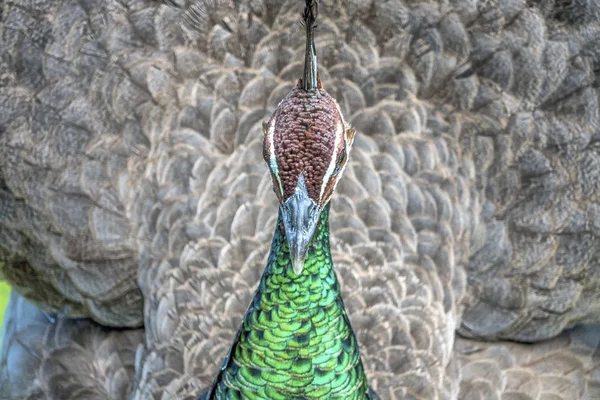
<point x="565" y="367"/>
<point x="52" y="357"/>
<point x="131" y="170"/>
<point x="66" y="240"/>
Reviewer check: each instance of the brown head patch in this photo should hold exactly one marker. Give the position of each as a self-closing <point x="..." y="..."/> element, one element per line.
<point x="304" y="128"/>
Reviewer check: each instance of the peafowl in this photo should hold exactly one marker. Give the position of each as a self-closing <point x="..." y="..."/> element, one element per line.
<point x="296" y="340"/>
<point x="134" y="194"/>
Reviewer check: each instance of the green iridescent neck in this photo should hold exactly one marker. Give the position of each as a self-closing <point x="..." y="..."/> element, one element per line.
<point x="296" y="341"/>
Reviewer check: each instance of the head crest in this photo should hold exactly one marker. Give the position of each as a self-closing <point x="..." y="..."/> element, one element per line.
<point x="310" y="80"/>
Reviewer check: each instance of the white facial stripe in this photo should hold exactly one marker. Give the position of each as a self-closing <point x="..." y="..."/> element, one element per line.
<point x="272" y="159"/>
<point x="339" y="133"/>
<point x="348" y="144"/>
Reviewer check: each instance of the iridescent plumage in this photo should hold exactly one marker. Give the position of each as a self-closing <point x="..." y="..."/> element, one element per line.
<point x="296" y="340"/>
<point x="132" y="188"/>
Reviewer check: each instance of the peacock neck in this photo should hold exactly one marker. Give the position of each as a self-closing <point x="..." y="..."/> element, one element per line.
<point x="296" y="340"/>
<point x="317" y="275"/>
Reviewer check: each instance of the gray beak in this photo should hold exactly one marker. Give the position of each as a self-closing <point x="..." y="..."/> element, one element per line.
<point x="300" y="216"/>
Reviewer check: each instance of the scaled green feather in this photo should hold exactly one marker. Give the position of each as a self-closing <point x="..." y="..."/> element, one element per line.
<point x="296" y="341"/>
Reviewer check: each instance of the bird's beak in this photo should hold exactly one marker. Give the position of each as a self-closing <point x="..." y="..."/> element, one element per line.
<point x="300" y="216"/>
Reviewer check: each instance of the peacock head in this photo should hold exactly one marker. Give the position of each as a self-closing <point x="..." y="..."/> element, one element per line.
<point x="306" y="147"/>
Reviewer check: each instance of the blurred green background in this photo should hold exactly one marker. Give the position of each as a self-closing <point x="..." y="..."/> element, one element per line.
<point x="4" y="293"/>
